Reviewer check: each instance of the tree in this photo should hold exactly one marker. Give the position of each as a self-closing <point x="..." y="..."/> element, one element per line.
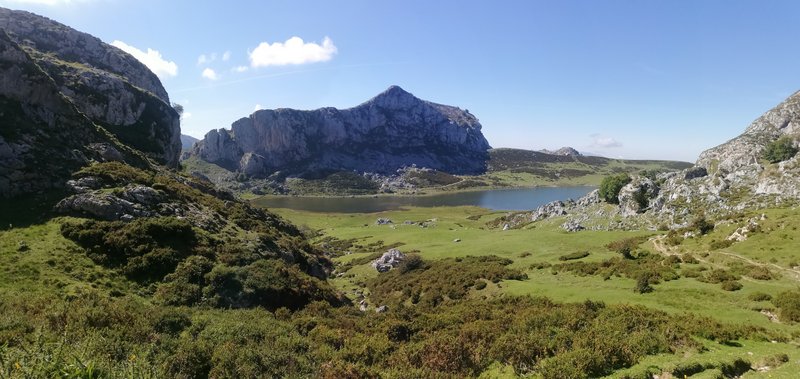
<point x="643" y="283"/>
<point x="611" y="185"/>
<point x="178" y="108"/>
<point x="780" y="150"/>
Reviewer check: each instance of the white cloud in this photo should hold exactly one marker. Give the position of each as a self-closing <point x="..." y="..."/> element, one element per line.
<point x="604" y="142"/>
<point x="293" y="51"/>
<point x="202" y="59"/>
<point x="186" y="115"/>
<point x="210" y="74"/>
<point x="258" y="106"/>
<point x="240" y="68"/>
<point x="152" y="59"/>
<point x="226" y="55"/>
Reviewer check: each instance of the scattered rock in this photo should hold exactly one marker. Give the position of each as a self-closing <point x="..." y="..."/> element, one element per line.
<point x="551" y="209"/>
<point x="84" y="184"/>
<point x="388" y="260"/>
<point x="572" y="226"/>
<point x="22" y="246"/>
<point x="382" y="309"/>
<point x="506" y="227"/>
<point x="107" y="152"/>
<point x="457" y="240"/>
<point x="383" y="221"/>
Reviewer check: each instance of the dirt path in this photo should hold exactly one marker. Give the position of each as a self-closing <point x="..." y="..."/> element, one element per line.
<point x="660" y="246"/>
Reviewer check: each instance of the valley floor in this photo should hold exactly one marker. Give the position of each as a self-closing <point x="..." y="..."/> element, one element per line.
<point x="765" y="263"/>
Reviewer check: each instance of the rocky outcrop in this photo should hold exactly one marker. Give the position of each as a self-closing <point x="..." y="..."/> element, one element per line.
<point x="635" y="197"/>
<point x="388" y="260"/>
<point x="43" y="137"/>
<point x="391" y="131"/>
<point x="107" y="85"/>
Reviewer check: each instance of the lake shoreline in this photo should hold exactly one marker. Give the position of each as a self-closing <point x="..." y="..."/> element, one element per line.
<point x="506" y="199"/>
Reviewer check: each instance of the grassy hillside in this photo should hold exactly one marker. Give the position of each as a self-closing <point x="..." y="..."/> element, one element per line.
<point x="731" y="283"/>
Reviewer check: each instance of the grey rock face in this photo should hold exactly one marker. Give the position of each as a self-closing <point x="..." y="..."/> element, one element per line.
<point x="391" y="131"/>
<point x="43" y="137"/>
<point x="389" y="260"/>
<point x="551" y="209"/>
<point x="635" y="196"/>
<point x="109" y="86"/>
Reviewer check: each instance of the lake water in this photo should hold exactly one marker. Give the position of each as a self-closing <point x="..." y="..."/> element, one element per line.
<point x="517" y="199"/>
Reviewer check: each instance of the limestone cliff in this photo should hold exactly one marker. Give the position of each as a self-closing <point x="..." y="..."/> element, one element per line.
<point x="43" y="137"/>
<point x="393" y="130"/>
<point x="106" y="84"/>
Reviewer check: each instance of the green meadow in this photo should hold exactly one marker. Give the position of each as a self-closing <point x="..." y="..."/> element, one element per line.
<point x="442" y="233"/>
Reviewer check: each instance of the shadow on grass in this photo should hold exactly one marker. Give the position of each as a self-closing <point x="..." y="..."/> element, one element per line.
<point x="27" y="210"/>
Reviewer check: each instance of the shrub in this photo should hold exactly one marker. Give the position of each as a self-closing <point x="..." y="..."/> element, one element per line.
<point x="788" y="304"/>
<point x="626" y="246"/>
<point x="702" y="225"/>
<point x="611" y="185"/>
<point x="689" y="259"/>
<point x="760" y="273"/>
<point x="731" y="285"/>
<point x="575" y="255"/>
<point x="779" y="150"/>
<point x="718" y="276"/>
<point x="412" y="262"/>
<point x="759" y="296"/>
<point x="716" y="245"/>
<point x="643" y="284"/>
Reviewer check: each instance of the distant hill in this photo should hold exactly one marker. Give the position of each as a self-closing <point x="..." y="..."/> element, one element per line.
<point x="187" y="142"/>
<point x="563" y="151"/>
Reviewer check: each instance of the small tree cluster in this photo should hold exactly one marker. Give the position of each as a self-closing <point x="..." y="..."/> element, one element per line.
<point x="780" y="150"/>
<point x="611" y="185"/>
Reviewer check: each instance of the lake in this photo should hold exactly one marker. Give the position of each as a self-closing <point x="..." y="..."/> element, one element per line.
<point x="517" y="199"/>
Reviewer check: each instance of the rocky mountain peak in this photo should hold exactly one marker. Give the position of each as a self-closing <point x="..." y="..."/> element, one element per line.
<point x="392" y="130"/>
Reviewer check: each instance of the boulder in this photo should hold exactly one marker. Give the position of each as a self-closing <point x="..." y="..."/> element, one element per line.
<point x="572" y="226"/>
<point x="551" y="209"/>
<point x="383" y="221"/>
<point x="389" y="260"/>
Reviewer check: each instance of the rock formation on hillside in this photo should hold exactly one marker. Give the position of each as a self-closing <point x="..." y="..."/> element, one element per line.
<point x="109" y="86"/>
<point x="390" y="131"/>
<point x="727" y="178"/>
<point x="43" y="137"/>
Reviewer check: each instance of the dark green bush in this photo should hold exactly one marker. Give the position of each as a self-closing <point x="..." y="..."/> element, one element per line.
<point x="611" y="185"/>
<point x="716" y="245"/>
<point x="788" y="304"/>
<point x="701" y="225"/>
<point x="759" y="296"/>
<point x="573" y="256"/>
<point x="412" y="262"/>
<point x="731" y="285"/>
<point x="779" y="150"/>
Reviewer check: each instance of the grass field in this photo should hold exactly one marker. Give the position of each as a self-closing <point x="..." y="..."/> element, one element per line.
<point x="774" y="247"/>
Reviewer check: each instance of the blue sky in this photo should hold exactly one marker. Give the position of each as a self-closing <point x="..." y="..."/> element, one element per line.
<point x="632" y="79"/>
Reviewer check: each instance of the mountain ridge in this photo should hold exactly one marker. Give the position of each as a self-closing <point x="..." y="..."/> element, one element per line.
<point x="389" y="131"/>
